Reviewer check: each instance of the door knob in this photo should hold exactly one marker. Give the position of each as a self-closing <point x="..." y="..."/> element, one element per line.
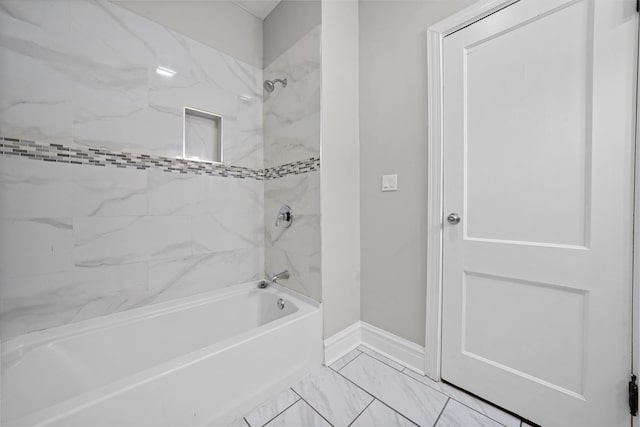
<point x="453" y="218"/>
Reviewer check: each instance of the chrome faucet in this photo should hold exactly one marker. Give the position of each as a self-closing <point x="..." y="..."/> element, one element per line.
<point x="285" y="217"/>
<point x="274" y="279"/>
<point x="281" y="275"/>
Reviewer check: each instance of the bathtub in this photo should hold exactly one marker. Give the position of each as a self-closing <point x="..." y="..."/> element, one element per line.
<point x="200" y="360"/>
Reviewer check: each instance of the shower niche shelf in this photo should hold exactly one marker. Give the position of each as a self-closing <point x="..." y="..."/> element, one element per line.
<point x="202" y="137"/>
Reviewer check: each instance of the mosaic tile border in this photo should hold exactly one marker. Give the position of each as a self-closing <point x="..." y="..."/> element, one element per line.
<point x="294" y="168"/>
<point x="60" y="153"/>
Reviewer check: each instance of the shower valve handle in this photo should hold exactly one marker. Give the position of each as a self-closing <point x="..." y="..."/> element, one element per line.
<point x="285" y="217"/>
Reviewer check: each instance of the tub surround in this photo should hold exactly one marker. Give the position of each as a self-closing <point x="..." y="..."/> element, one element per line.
<point x="119" y="231"/>
<point x="297" y="247"/>
<point x="85" y="241"/>
<point x="97" y="213"/>
<point x="292" y="114"/>
<point x="292" y="134"/>
<point x="83" y="72"/>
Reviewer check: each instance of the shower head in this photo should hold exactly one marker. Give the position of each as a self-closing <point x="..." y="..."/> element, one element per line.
<point x="270" y="85"/>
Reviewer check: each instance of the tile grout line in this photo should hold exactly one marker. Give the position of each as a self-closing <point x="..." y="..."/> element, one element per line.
<point x="361" y="412"/>
<point x="380" y="400"/>
<point x="397" y="412"/>
<point x="463" y="404"/>
<point x="441" y="412"/>
<point x="314" y="409"/>
<point x="382" y="361"/>
<point x="280" y="413"/>
<point x="483" y="414"/>
<point x="347" y="364"/>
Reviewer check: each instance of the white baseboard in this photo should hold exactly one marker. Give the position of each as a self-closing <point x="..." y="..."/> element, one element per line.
<point x="342" y="343"/>
<point x="396" y="348"/>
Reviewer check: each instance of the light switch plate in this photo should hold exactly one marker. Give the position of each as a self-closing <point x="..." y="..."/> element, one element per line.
<point x="390" y="182"/>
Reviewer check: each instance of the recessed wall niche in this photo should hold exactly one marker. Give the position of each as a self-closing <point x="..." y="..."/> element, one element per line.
<point x="202" y="138"/>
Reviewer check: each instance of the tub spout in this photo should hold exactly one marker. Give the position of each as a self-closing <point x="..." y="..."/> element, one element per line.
<point x="273" y="279"/>
<point x="282" y="275"/>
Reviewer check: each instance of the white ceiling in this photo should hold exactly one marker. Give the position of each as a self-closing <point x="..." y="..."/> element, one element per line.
<point x="259" y="9"/>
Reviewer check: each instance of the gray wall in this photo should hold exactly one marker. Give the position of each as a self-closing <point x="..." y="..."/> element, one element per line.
<point x="219" y="24"/>
<point x="393" y="139"/>
<point x="340" y="176"/>
<point x="287" y="24"/>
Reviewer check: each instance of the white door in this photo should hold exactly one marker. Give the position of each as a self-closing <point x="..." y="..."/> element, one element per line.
<point x="539" y="112"/>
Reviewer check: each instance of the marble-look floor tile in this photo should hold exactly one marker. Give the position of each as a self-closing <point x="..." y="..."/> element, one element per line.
<point x="299" y="415"/>
<point x="467" y="399"/>
<point x="380" y="415"/>
<point x="455" y="414"/>
<point x="380" y="357"/>
<point x="272" y="407"/>
<point x="344" y="360"/>
<point x="418" y="402"/>
<point x="334" y="397"/>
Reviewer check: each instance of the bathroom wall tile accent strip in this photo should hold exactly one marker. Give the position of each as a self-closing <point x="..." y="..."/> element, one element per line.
<point x="11" y="147"/>
<point x="294" y="168"/>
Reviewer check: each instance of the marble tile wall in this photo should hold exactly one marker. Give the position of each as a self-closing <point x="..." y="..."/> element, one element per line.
<point x="292" y="114"/>
<point x="292" y="134"/>
<point x="83" y="241"/>
<point x="129" y="225"/>
<point x="83" y="72"/>
<point x="96" y="215"/>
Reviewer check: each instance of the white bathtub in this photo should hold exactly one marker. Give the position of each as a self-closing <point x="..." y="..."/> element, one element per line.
<point x="195" y="361"/>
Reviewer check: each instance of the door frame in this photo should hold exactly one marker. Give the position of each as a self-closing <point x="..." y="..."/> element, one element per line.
<point x="435" y="191"/>
<point x="635" y="321"/>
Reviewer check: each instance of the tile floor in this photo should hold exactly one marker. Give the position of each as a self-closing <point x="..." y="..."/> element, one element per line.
<point x="364" y="388"/>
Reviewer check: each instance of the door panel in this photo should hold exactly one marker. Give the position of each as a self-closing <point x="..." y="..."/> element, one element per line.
<point x="503" y="68"/>
<point x="555" y="358"/>
<point x="538" y="162"/>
